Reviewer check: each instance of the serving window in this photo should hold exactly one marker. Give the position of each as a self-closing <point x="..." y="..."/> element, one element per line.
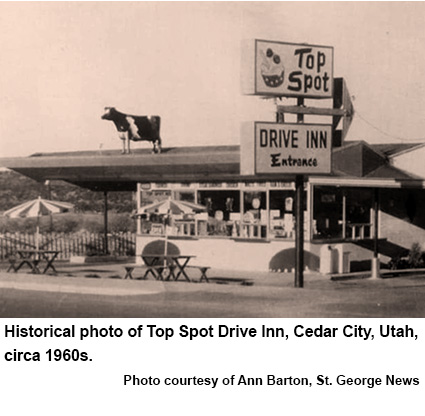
<point x="186" y="195"/>
<point x="358" y="213"/>
<point x="282" y="215"/>
<point x="255" y="215"/>
<point x="245" y="211"/>
<point x="342" y="213"/>
<point x="153" y="223"/>
<point x="327" y="212"/>
<point x="223" y="209"/>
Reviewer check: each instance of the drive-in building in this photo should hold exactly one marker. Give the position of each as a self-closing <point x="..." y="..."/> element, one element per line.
<point x="248" y="220"/>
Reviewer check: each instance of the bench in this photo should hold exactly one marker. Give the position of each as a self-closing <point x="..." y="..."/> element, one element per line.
<point x="203" y="270"/>
<point x="12" y="264"/>
<point x="155" y="271"/>
<point x="129" y="271"/>
<point x="16" y="263"/>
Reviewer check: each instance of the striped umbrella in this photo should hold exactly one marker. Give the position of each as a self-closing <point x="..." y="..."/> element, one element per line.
<point x="170" y="207"/>
<point x="37" y="208"/>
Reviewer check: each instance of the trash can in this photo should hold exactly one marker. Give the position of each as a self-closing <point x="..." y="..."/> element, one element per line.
<point x="343" y="259"/>
<point x="328" y="260"/>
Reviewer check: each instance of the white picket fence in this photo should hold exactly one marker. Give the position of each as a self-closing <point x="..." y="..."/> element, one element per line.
<point x="69" y="244"/>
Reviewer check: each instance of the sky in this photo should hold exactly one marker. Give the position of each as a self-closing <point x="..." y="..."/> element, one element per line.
<point x="62" y="63"/>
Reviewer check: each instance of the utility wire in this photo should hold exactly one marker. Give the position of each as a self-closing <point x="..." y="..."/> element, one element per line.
<point x="384" y="132"/>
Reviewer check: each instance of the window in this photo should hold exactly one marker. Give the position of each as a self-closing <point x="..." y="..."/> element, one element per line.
<point x="254" y="220"/>
<point x="342" y="213"/>
<point x="245" y="211"/>
<point x="223" y="208"/>
<point x="358" y="213"/>
<point x="327" y="215"/>
<point x="153" y="222"/>
<point x="188" y="196"/>
<point x="282" y="215"/>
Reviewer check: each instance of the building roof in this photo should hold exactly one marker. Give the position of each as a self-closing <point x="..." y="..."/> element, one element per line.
<point x="393" y="149"/>
<point x="109" y="170"/>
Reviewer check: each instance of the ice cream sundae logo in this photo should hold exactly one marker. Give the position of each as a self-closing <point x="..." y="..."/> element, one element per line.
<point x="272" y="69"/>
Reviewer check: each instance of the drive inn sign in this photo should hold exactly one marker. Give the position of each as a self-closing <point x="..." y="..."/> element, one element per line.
<point x="285" y="148"/>
<point x="287" y="69"/>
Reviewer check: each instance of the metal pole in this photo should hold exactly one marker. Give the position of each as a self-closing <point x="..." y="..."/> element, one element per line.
<point x="48" y="189"/>
<point x="375" y="261"/>
<point x="375" y="223"/>
<point x="49" y="197"/>
<point x="299" y="218"/>
<point x="139" y="205"/>
<point x="105" y="222"/>
<point x="344" y="215"/>
<point x="299" y="231"/>
<point x="299" y="209"/>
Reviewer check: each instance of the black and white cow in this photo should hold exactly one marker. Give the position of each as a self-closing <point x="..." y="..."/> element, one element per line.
<point x="135" y="128"/>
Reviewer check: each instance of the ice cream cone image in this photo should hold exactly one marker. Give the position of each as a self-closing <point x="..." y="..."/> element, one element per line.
<point x="272" y="69"/>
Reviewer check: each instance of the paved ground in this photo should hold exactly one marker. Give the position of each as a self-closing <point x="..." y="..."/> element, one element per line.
<point x="100" y="291"/>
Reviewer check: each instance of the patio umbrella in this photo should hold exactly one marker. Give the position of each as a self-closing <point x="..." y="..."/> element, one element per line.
<point x="37" y="208"/>
<point x="170" y="207"/>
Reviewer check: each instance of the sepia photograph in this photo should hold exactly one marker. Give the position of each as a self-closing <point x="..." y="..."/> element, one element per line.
<point x="212" y="160"/>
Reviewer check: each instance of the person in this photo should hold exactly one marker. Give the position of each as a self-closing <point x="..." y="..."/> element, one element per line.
<point x="169" y="223"/>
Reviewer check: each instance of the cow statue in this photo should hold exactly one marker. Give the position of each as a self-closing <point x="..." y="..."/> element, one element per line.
<point x="136" y="128"/>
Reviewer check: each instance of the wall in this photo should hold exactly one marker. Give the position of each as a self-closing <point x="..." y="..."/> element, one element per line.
<point x="228" y="253"/>
<point x="402" y="217"/>
<point x="401" y="232"/>
<point x="256" y="256"/>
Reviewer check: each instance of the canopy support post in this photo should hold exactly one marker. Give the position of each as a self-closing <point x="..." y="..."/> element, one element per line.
<point x="105" y="221"/>
<point x="375" y="261"/>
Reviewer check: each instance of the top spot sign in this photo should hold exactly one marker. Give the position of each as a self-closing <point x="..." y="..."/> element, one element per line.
<point x="287" y="69"/>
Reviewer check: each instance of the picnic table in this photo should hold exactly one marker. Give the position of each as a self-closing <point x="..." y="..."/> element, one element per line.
<point x="159" y="264"/>
<point x="33" y="258"/>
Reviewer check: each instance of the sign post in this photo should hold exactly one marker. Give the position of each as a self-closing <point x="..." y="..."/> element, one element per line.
<point x="299" y="218"/>
<point x="299" y="231"/>
<point x="282" y="69"/>
<point x="288" y="149"/>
